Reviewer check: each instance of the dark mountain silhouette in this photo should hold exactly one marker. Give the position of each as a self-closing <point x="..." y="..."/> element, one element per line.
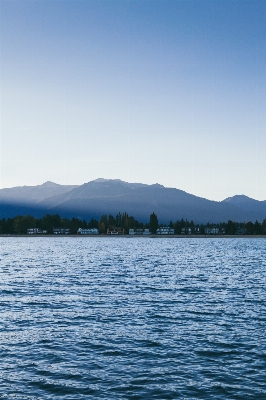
<point x="253" y="209"/>
<point x="104" y="196"/>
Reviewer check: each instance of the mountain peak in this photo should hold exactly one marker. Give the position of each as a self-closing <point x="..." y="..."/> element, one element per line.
<point x="239" y="198"/>
<point x="115" y="181"/>
<point x="119" y="181"/>
<point x="49" y="184"/>
<point x="157" y="185"/>
<point x="100" y="180"/>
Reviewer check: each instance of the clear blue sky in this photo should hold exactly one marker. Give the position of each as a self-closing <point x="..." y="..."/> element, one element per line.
<point x="172" y="92"/>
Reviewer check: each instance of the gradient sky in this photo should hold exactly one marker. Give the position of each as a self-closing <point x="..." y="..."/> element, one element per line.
<point x="172" y="92"/>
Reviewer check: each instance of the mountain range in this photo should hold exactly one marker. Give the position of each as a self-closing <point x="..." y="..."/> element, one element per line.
<point x="106" y="196"/>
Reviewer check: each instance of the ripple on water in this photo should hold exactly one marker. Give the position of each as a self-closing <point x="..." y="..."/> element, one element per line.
<point x="113" y="318"/>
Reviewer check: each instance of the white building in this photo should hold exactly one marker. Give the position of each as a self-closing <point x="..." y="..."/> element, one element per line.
<point x="165" y="230"/>
<point x="214" y="230"/>
<point x="139" y="231"/>
<point x="35" y="231"/>
<point x="61" y="231"/>
<point x="93" y="231"/>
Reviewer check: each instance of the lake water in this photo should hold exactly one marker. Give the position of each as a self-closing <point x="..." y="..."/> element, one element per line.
<point x="139" y="318"/>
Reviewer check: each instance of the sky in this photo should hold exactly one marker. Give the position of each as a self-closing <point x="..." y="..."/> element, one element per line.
<point x="150" y="91"/>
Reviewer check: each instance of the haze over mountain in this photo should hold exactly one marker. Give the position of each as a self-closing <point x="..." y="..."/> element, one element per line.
<point x="105" y="196"/>
<point x="32" y="194"/>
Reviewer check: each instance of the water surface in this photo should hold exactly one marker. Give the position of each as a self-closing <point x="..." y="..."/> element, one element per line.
<point x="139" y="318"/>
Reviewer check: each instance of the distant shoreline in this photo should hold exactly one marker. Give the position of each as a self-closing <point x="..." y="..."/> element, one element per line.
<point x="142" y="236"/>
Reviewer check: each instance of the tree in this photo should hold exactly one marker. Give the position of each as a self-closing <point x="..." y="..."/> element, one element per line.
<point x="10" y="225"/>
<point x="263" y="226"/>
<point x="257" y="228"/>
<point x="93" y="223"/>
<point x="118" y="219"/>
<point x="111" y="220"/>
<point x="48" y="222"/>
<point x="74" y="225"/>
<point x="103" y="224"/>
<point x="249" y="227"/>
<point x="153" y="223"/>
<point x="17" y="224"/>
<point x="230" y="228"/>
<point x="3" y="226"/>
<point x="21" y="224"/>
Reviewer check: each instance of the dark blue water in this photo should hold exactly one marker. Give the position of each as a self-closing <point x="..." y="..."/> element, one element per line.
<point x="139" y="318"/>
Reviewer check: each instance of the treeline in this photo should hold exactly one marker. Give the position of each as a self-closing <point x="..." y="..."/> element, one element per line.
<point x="228" y="228"/>
<point x="244" y="228"/>
<point x="20" y="224"/>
